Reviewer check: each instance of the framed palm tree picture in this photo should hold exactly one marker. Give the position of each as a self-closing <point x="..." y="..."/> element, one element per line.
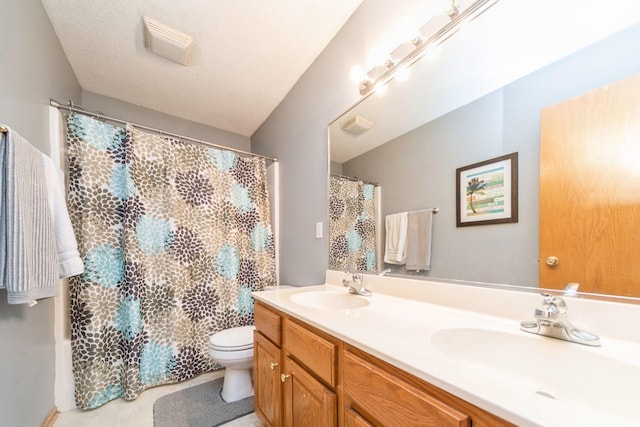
<point x="487" y="192"/>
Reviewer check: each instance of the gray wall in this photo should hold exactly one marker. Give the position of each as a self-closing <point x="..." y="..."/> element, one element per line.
<point x="296" y="133"/>
<point x="417" y="170"/>
<point x="144" y="116"/>
<point x="34" y="69"/>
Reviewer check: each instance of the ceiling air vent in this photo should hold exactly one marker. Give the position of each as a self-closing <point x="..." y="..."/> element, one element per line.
<point x="356" y="125"/>
<point x="167" y="42"/>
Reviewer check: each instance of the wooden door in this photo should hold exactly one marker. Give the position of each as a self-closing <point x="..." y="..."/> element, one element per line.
<point x="306" y="401"/>
<point x="266" y="384"/>
<point x="590" y="190"/>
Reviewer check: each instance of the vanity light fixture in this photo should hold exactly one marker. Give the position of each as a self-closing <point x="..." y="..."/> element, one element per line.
<point x="430" y="35"/>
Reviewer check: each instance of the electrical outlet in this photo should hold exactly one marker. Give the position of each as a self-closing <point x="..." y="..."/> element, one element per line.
<point x="318" y="230"/>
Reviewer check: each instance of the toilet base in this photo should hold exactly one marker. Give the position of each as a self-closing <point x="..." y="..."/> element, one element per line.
<point x="237" y="385"/>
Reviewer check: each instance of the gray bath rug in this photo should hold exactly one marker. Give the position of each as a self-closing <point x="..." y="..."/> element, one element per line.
<point x="198" y="406"/>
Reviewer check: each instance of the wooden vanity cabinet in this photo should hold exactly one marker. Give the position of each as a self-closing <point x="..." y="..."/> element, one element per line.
<point x="295" y="372"/>
<point x="379" y="394"/>
<point x="382" y="399"/>
<point x="311" y="375"/>
<point x="306" y="377"/>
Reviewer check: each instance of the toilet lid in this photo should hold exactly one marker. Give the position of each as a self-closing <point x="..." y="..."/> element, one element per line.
<point x="240" y="338"/>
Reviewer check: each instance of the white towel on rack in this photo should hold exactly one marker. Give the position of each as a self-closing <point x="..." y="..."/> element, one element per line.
<point x="396" y="240"/>
<point x="28" y="260"/>
<point x="69" y="261"/>
<point x="419" y="225"/>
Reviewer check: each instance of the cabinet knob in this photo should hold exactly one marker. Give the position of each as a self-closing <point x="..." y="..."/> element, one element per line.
<point x="273" y="365"/>
<point x="552" y="261"/>
<point x="284" y="377"/>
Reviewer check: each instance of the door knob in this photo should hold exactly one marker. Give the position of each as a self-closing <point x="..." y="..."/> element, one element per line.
<point x="284" y="377"/>
<point x="552" y="261"/>
<point x="273" y="365"/>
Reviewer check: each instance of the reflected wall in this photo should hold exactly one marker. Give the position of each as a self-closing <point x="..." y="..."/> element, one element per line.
<point x="417" y="169"/>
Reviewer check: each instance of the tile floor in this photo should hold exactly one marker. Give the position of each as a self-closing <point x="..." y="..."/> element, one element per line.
<point x="139" y="412"/>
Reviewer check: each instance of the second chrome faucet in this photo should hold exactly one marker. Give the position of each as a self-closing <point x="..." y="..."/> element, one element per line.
<point x="356" y="285"/>
<point x="551" y="320"/>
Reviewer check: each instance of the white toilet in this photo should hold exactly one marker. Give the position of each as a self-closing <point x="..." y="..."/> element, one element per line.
<point x="233" y="349"/>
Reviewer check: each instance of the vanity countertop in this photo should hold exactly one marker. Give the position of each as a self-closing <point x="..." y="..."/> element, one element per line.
<point x="467" y="341"/>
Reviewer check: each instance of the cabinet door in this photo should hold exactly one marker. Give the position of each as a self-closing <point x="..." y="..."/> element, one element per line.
<point x="306" y="401"/>
<point x="266" y="383"/>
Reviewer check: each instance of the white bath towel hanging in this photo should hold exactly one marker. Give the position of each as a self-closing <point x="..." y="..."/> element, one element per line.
<point x="396" y="239"/>
<point x="69" y="261"/>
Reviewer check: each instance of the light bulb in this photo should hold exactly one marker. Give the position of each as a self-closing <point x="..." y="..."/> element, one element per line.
<point x="402" y="75"/>
<point x="381" y="89"/>
<point x="377" y="55"/>
<point x="356" y="74"/>
<point x="432" y="53"/>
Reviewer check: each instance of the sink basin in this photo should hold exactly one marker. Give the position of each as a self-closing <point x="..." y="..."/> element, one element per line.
<point x="546" y="367"/>
<point x="330" y="300"/>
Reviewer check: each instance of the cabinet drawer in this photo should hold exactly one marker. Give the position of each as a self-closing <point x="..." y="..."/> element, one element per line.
<point x="268" y="323"/>
<point x="352" y="419"/>
<point x="316" y="353"/>
<point x="386" y="400"/>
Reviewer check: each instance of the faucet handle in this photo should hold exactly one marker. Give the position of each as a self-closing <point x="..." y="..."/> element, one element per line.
<point x="552" y="304"/>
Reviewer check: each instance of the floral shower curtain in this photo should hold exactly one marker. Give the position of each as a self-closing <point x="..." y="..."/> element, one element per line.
<point x="352" y="231"/>
<point x="174" y="238"/>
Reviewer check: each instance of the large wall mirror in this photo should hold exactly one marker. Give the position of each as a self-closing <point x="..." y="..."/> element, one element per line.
<point x="481" y="98"/>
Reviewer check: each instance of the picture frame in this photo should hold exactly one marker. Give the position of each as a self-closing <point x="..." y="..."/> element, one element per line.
<point x="487" y="192"/>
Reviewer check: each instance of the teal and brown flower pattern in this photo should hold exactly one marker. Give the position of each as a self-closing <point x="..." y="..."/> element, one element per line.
<point x="174" y="238"/>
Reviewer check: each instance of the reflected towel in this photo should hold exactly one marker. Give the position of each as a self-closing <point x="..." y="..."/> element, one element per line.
<point x="69" y="261"/>
<point x="28" y="260"/>
<point x="396" y="240"/>
<point x="419" y="240"/>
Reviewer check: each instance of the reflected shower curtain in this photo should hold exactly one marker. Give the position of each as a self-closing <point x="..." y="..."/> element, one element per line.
<point x="352" y="236"/>
<point x="174" y="238"/>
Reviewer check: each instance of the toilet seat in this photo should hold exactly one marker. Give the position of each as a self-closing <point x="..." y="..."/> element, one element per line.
<point x="233" y="349"/>
<point x="233" y="339"/>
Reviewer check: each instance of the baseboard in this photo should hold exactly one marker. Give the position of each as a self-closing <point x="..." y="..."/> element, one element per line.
<point x="51" y="417"/>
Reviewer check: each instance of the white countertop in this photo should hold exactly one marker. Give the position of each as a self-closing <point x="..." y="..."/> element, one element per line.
<point x="468" y="342"/>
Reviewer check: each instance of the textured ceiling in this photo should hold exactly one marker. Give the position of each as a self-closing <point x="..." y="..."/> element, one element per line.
<point x="247" y="54"/>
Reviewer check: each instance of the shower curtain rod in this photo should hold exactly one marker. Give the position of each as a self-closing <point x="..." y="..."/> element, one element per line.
<point x="356" y="179"/>
<point x="72" y="108"/>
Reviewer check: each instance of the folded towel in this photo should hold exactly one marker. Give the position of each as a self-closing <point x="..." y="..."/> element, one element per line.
<point x="69" y="261"/>
<point x="396" y="240"/>
<point x="28" y="260"/>
<point x="419" y="240"/>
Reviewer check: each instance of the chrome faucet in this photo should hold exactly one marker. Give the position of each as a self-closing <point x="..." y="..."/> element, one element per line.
<point x="551" y="321"/>
<point x="356" y="285"/>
